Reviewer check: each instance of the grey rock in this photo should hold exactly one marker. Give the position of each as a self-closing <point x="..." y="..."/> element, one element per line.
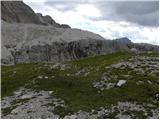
<point x="47" y="20"/>
<point x="121" y="82"/>
<point x="121" y="116"/>
<point x="123" y="40"/>
<point x="71" y="117"/>
<point x="134" y="50"/>
<point x="18" y="12"/>
<point x="27" y="96"/>
<point x="139" y="82"/>
<point x="36" y="105"/>
<point x="118" y="65"/>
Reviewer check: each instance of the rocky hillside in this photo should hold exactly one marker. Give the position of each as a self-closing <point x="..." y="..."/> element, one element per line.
<point x="119" y="85"/>
<point x="31" y="37"/>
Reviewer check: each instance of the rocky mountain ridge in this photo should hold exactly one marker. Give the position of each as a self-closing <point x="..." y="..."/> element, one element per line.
<point x="47" y="20"/>
<point x="18" y="12"/>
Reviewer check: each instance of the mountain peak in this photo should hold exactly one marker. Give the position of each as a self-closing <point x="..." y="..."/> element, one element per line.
<point x="19" y="12"/>
<point x="123" y="39"/>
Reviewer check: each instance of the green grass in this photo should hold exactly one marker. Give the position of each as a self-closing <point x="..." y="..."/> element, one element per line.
<point x="77" y="90"/>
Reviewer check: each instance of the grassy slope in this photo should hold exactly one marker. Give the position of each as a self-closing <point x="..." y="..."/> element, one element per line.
<point x="77" y="90"/>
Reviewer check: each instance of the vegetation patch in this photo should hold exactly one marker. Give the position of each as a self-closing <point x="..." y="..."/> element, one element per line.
<point x="70" y="82"/>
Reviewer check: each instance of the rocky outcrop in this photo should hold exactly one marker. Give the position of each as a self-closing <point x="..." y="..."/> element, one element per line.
<point x="65" y="50"/>
<point x="6" y="57"/>
<point x="31" y="43"/>
<point x="65" y="26"/>
<point x="47" y="20"/>
<point x="123" y="40"/>
<point x="146" y="47"/>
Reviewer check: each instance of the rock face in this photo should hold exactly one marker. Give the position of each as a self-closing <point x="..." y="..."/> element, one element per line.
<point x="18" y="12"/>
<point x="33" y="43"/>
<point x="124" y="40"/>
<point x="146" y="47"/>
<point x="35" y="38"/>
<point x="38" y="42"/>
<point x="47" y="20"/>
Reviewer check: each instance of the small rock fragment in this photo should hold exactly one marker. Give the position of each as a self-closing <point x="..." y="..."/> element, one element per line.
<point x="121" y="82"/>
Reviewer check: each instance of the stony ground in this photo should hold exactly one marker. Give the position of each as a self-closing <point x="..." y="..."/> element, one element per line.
<point x="28" y="104"/>
<point x="118" y="85"/>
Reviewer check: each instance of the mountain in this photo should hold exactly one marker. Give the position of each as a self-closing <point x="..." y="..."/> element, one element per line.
<point x="124" y="40"/>
<point x="18" y="12"/>
<point x="72" y="73"/>
<point x="31" y="37"/>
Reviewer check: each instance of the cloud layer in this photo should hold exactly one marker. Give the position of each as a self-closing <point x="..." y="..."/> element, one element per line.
<point x="142" y="13"/>
<point x="135" y="20"/>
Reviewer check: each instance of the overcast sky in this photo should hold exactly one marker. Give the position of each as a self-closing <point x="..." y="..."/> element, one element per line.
<point x="111" y="19"/>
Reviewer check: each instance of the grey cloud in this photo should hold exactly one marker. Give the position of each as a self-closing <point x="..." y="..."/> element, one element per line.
<point x="143" y="12"/>
<point x="67" y="4"/>
<point x="64" y="5"/>
<point x="137" y="7"/>
<point x="61" y="7"/>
